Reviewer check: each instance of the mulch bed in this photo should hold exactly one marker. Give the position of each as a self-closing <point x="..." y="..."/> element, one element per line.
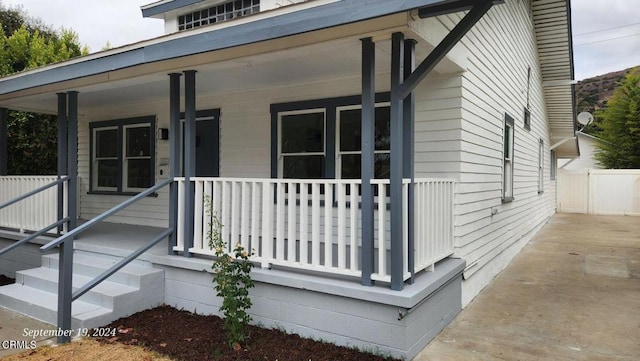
<point x="4" y="280"/>
<point x="183" y="335"/>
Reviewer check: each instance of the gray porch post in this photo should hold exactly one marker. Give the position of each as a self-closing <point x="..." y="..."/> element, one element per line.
<point x="174" y="155"/>
<point x="4" y="158"/>
<point x="367" y="159"/>
<point x="397" y="169"/>
<point x="62" y="151"/>
<point x="408" y="148"/>
<point x="189" y="156"/>
<point x="65" y="274"/>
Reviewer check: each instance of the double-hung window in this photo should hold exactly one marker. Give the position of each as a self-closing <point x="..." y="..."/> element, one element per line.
<point x="507" y="182"/>
<point x="302" y="144"/>
<point x="541" y="166"/>
<point x="122" y="155"/>
<point x="323" y="138"/>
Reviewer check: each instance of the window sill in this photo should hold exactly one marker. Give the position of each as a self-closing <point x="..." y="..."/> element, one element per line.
<point x="128" y="194"/>
<point x="507" y="200"/>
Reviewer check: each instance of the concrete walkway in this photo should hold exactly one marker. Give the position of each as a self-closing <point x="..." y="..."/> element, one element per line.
<point x="573" y="293"/>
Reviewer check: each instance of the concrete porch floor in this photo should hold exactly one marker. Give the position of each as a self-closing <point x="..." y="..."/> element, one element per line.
<point x="573" y="293"/>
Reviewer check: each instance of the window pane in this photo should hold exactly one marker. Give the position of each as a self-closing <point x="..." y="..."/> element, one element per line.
<point x="382" y="166"/>
<point x="350" y="130"/>
<point x="107" y="173"/>
<point x="303" y="167"/>
<point x="351" y="133"/>
<point x="383" y="128"/>
<point x="351" y="166"/>
<point x="107" y="143"/>
<point x="138" y="173"/>
<point x="303" y="133"/>
<point x="138" y="142"/>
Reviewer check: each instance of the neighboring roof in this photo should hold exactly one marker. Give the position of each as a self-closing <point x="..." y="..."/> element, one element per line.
<point x="552" y="22"/>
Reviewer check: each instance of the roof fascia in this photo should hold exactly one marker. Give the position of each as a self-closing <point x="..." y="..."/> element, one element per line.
<point x="163" y="7"/>
<point x="317" y="18"/>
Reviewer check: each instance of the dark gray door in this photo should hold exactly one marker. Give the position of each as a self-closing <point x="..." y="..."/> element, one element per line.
<point x="208" y="148"/>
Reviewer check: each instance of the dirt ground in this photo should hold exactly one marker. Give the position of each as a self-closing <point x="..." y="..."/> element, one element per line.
<point x="165" y="333"/>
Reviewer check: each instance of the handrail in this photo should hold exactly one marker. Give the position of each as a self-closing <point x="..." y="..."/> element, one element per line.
<point x="34" y="192"/>
<point x="33" y="236"/>
<point x="116" y="267"/>
<point x="56" y="242"/>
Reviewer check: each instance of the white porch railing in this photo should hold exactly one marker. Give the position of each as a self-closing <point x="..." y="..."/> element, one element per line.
<point x="33" y="213"/>
<point x="287" y="222"/>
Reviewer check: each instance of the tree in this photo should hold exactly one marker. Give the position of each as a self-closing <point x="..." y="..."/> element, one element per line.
<point x="27" y="43"/>
<point x="621" y="126"/>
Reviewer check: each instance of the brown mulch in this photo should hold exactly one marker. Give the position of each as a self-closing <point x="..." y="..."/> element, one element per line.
<point x="183" y="335"/>
<point x="4" y="280"/>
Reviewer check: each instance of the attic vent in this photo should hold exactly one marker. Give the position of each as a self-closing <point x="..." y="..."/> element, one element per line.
<point x="215" y="14"/>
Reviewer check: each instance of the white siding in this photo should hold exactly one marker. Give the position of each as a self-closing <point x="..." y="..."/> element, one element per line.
<point x="500" y="48"/>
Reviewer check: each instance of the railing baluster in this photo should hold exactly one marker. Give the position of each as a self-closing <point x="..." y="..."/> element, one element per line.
<point x="382" y="244"/>
<point x="181" y="210"/>
<point x="342" y="256"/>
<point x="224" y="220"/>
<point x="280" y="218"/>
<point x="328" y="225"/>
<point x="198" y="215"/>
<point x="304" y="223"/>
<point x="246" y="202"/>
<point x="291" y="223"/>
<point x="206" y="217"/>
<point x="255" y="216"/>
<point x="354" y="244"/>
<point x="267" y="226"/>
<point x="315" y="223"/>
<point x="235" y="215"/>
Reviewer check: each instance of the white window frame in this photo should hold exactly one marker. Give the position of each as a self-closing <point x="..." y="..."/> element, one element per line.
<point x="340" y="153"/>
<point x="508" y="168"/>
<point x="96" y="160"/>
<point x="282" y="155"/>
<point x="125" y="158"/>
<point x="541" y="166"/>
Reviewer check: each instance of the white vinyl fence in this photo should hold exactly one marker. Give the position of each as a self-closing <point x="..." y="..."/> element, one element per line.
<point x="288" y="223"/>
<point x="599" y="191"/>
<point x="33" y="213"/>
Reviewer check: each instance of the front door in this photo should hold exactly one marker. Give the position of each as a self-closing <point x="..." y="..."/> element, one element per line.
<point x="207" y="144"/>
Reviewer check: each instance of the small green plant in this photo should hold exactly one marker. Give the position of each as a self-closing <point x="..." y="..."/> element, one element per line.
<point x="232" y="281"/>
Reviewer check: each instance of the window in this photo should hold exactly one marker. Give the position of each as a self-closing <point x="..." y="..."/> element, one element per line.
<point x="553" y="165"/>
<point x="350" y="142"/>
<point x="322" y="138"/>
<point x="302" y="144"/>
<point x="541" y="166"/>
<point x="215" y="14"/>
<point x="122" y="155"/>
<point x="507" y="183"/>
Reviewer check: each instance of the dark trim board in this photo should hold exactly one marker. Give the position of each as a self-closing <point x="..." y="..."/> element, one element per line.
<point x="321" y="17"/>
<point x="168" y="6"/>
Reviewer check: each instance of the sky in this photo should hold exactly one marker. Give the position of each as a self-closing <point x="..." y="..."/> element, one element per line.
<point x="606" y="33"/>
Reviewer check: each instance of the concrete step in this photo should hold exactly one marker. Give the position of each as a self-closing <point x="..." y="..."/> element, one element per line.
<point x="105" y="294"/>
<point x="134" y="288"/>
<point x="43" y="306"/>
<point x="133" y="274"/>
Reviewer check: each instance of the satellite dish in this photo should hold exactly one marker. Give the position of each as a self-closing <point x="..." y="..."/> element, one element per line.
<point x="585" y="118"/>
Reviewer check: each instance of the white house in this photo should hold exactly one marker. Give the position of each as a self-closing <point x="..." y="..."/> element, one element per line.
<point x="383" y="159"/>
<point x="586" y="160"/>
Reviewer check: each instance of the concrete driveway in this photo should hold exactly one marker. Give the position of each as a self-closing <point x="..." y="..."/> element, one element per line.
<point x="573" y="293"/>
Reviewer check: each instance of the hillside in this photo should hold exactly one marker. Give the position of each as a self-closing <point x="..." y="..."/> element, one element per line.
<point x="594" y="93"/>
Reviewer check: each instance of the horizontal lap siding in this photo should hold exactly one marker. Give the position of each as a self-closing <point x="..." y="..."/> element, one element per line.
<point x="500" y="48"/>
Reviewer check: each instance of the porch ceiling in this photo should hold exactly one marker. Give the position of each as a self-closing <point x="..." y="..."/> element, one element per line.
<point x="306" y="64"/>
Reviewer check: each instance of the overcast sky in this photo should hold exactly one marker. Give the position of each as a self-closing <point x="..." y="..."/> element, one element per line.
<point x="606" y="32"/>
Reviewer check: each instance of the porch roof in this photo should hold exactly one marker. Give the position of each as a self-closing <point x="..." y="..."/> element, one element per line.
<point x="293" y="20"/>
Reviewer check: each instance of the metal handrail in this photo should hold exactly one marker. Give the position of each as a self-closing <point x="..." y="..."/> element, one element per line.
<point x="34" y="235"/>
<point x="34" y="192"/>
<point x="116" y="267"/>
<point x="56" y="242"/>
